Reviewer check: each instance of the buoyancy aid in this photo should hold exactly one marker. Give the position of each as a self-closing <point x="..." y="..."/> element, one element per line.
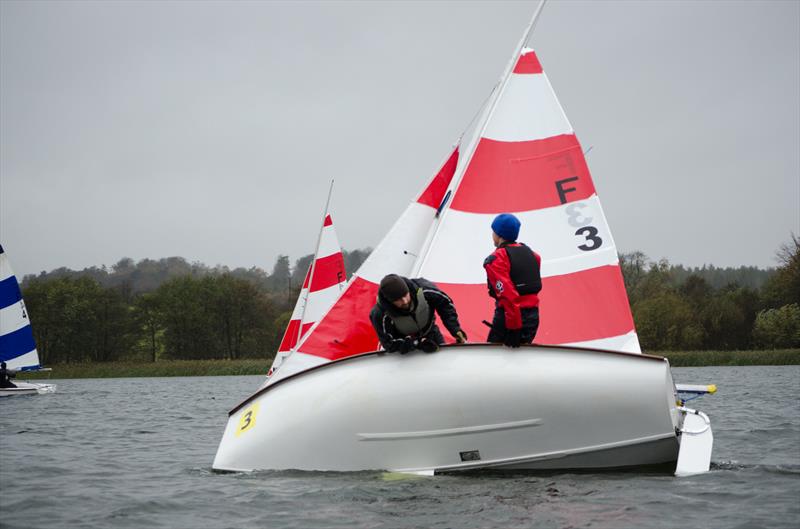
<point x="417" y="322"/>
<point x="525" y="272"/>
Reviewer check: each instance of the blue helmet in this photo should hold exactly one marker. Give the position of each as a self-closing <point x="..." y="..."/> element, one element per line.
<point x="506" y="226"/>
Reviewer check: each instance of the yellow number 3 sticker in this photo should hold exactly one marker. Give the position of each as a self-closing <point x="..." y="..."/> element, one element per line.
<point x="247" y="420"/>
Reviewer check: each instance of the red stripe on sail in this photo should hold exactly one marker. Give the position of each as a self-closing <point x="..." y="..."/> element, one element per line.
<point x="328" y="271"/>
<point x="434" y="193"/>
<point x="290" y="335"/>
<point x="308" y="276"/>
<point x="524" y="176"/>
<point x="577" y="307"/>
<point x="346" y="330"/>
<point x="528" y="63"/>
<point x="328" y="221"/>
<point x="587" y="305"/>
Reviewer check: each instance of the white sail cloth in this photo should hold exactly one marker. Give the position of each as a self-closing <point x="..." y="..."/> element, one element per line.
<point x="17" y="346"/>
<point x="345" y="330"/>
<point x="527" y="161"/>
<point x="524" y="160"/>
<point x="317" y="294"/>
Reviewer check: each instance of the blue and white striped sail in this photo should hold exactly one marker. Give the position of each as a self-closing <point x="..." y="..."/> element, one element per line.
<point x="17" y="347"/>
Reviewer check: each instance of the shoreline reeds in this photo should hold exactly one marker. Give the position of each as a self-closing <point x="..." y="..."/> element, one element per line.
<point x="205" y="368"/>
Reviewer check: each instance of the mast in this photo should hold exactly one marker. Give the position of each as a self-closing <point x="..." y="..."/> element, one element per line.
<point x="313" y="267"/>
<point x="479" y="130"/>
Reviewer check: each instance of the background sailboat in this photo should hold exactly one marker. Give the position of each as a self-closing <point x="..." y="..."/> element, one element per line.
<point x="324" y="281"/>
<point x="345" y="330"/>
<point x="17" y="346"/>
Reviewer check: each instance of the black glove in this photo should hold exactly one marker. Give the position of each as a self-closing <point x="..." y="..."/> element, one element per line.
<point x="512" y="338"/>
<point x="429" y="346"/>
<point x="407" y="346"/>
<point x="401" y="345"/>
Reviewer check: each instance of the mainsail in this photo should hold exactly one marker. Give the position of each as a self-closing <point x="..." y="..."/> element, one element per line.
<point x="524" y="159"/>
<point x="528" y="161"/>
<point x="323" y="283"/>
<point x="17" y="347"/>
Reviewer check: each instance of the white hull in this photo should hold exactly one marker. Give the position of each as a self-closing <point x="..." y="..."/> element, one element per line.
<point x="27" y="388"/>
<point x="464" y="407"/>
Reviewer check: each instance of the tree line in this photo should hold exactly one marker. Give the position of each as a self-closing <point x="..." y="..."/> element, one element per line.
<point x="164" y="309"/>
<point x="715" y="309"/>
<point x="173" y="309"/>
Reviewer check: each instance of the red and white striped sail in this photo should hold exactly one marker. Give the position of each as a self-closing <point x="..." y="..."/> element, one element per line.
<point x="324" y="281"/>
<point x="525" y="159"/>
<point x="345" y="330"/>
<point x="528" y="161"/>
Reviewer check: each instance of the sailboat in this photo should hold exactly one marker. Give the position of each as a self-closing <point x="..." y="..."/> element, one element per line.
<point x="17" y="346"/>
<point x="583" y="397"/>
<point x="324" y="281"/>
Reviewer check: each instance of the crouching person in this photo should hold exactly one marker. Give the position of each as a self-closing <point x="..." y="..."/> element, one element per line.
<point x="405" y="315"/>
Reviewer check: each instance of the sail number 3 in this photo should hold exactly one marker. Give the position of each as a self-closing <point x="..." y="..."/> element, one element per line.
<point x="247" y="420"/>
<point x="591" y="241"/>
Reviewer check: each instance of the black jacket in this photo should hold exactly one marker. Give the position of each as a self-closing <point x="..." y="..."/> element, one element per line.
<point x="5" y="378"/>
<point x="383" y="314"/>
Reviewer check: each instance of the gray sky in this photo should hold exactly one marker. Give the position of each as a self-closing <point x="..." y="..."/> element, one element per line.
<point x="210" y="130"/>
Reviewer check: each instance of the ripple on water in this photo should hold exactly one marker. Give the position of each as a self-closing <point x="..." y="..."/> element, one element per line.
<point x="137" y="453"/>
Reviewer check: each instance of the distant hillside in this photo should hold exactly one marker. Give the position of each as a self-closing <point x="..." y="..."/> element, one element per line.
<point x="743" y="276"/>
<point x="170" y="309"/>
<point x="147" y="275"/>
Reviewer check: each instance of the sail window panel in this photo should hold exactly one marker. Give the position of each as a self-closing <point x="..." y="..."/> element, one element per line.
<point x="464" y="241"/>
<point x="527" y="110"/>
<point x="13" y="318"/>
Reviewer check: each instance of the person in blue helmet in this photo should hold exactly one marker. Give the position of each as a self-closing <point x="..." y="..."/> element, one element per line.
<point x="514" y="280"/>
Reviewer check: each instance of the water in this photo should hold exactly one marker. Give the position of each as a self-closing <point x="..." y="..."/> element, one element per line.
<point x="137" y="453"/>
